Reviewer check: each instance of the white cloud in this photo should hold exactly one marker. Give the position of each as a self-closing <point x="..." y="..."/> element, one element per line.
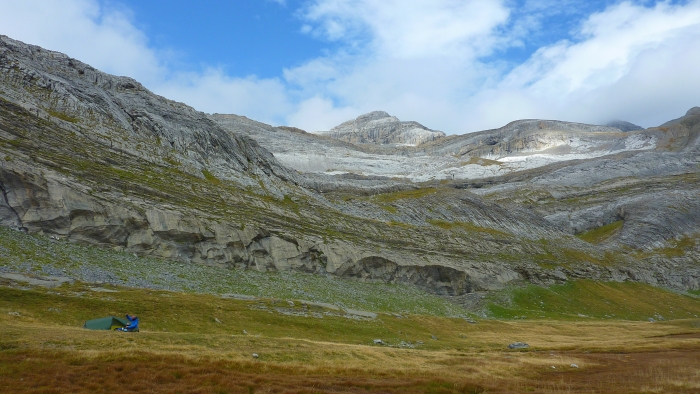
<point x="424" y="60"/>
<point x="413" y="59"/>
<point x="434" y="61"/>
<point x="264" y="100"/>
<point x="316" y="113"/>
<point x="410" y="29"/>
<point x="83" y="29"/>
<point x="628" y="57"/>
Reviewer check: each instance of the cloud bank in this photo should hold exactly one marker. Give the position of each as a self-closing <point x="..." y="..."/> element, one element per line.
<point x="444" y="63"/>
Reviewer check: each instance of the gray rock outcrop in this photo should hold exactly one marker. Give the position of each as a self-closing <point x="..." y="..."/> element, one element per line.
<point x="518" y="345"/>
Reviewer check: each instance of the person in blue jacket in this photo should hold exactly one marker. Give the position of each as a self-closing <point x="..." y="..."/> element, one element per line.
<point x="133" y="325"/>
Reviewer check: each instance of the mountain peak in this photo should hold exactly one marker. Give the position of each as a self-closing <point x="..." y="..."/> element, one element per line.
<point x="624" y="126"/>
<point x="378" y="127"/>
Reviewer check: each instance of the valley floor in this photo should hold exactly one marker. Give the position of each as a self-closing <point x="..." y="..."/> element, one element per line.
<point x="204" y="343"/>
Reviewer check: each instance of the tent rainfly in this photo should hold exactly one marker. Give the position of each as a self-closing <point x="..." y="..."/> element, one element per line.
<point x="105" y="323"/>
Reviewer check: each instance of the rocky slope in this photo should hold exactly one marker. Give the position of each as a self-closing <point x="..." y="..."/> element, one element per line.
<point x="98" y="159"/>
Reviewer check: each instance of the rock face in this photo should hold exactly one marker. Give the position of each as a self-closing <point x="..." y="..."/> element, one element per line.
<point x="100" y="160"/>
<point x="53" y="86"/>
<point x="379" y="127"/>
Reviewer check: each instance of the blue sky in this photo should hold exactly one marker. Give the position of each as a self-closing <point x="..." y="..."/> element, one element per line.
<point x="453" y="65"/>
<point x="245" y="37"/>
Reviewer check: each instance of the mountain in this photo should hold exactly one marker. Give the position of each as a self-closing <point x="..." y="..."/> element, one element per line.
<point x="379" y="127"/>
<point x="98" y="159"/>
<point x="624" y="126"/>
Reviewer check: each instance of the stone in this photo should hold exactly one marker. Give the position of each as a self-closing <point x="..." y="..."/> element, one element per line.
<point x="255" y="355"/>
<point x="574" y="365"/>
<point x="518" y="345"/>
<point x="365" y="314"/>
<point x="47" y="281"/>
<point x="378" y="342"/>
<point x="103" y="290"/>
<point x="244" y="297"/>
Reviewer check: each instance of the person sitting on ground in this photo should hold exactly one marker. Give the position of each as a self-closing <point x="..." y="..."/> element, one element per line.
<point x="133" y="325"/>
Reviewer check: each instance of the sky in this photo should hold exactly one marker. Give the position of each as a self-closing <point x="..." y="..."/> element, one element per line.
<point x="453" y="65"/>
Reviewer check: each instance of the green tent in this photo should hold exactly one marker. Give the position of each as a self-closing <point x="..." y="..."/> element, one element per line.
<point x="105" y="323"/>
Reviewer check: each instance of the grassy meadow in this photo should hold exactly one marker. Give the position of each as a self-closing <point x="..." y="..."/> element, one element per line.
<point x="584" y="336"/>
<point x="205" y="343"/>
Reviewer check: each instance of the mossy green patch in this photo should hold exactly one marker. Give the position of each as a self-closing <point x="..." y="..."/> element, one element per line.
<point x="63" y="116"/>
<point x="416" y="193"/>
<point x="603" y="233"/>
<point x="589" y="299"/>
<point x="390" y="208"/>
<point x="400" y="224"/>
<point x="481" y="161"/>
<point x="470" y="227"/>
<point x="210" y="177"/>
<point x="173" y="162"/>
<point x="678" y="247"/>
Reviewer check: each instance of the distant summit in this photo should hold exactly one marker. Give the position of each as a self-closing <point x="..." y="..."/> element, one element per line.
<point x="378" y="127"/>
<point x="624" y="126"/>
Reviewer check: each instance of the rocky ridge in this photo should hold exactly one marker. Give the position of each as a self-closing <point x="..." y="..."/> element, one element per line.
<point x="100" y="160"/>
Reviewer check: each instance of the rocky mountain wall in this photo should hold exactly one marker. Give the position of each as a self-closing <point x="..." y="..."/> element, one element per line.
<point x="98" y="159"/>
<point x="120" y="113"/>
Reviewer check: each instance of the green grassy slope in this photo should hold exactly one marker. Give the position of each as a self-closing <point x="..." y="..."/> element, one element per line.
<point x="20" y="252"/>
<point x="586" y="299"/>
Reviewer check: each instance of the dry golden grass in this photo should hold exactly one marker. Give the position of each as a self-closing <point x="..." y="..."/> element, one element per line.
<point x="47" y="352"/>
<point x="48" y="359"/>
